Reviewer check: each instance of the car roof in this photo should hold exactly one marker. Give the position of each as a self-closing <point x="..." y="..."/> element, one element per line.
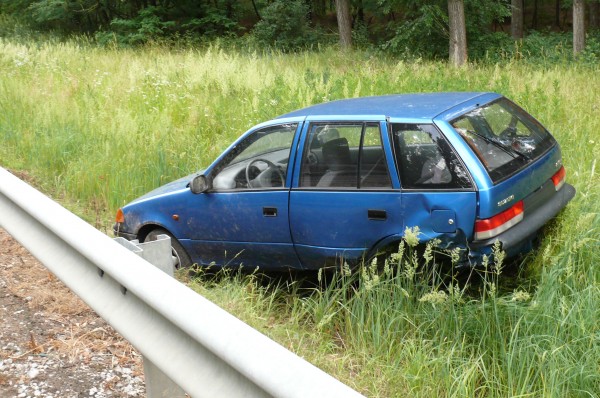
<point x="418" y="106"/>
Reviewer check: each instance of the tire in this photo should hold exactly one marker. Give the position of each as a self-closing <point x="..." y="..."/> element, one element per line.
<point x="183" y="259"/>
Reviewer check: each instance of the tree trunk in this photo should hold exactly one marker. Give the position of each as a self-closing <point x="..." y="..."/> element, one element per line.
<point x="578" y="26"/>
<point x="458" y="32"/>
<point x="256" y="10"/>
<point x="594" y="17"/>
<point x="344" y="23"/>
<point x="516" y="20"/>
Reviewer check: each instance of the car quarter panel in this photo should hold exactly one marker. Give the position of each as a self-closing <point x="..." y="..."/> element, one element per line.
<point x="449" y="216"/>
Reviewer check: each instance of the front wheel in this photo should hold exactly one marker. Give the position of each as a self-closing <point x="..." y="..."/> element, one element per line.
<point x="182" y="259"/>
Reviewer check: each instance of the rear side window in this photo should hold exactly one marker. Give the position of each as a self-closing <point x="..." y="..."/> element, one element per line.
<point x="345" y="155"/>
<point x="504" y="137"/>
<point x="426" y="160"/>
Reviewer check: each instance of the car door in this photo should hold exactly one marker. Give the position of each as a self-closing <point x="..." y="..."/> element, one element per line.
<point x="438" y="194"/>
<point x="345" y="197"/>
<point x="243" y="219"/>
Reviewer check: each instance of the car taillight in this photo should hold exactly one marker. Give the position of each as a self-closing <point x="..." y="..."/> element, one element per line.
<point x="120" y="217"/>
<point x="559" y="178"/>
<point x="490" y="227"/>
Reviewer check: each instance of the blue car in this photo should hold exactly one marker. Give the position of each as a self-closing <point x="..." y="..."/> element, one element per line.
<point x="341" y="181"/>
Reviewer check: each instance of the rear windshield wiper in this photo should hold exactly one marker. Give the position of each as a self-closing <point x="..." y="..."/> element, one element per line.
<point x="509" y="150"/>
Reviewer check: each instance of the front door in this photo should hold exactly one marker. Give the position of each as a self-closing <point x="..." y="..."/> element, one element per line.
<point x="243" y="220"/>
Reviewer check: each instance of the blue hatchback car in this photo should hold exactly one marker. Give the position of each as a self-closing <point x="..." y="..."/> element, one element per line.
<point x="341" y="181"/>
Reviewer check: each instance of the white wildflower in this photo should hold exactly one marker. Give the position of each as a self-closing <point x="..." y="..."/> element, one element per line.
<point x="520" y="295"/>
<point x="434" y="297"/>
<point x="411" y="236"/>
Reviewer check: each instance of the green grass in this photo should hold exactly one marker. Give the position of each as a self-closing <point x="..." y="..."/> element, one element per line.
<point x="98" y="127"/>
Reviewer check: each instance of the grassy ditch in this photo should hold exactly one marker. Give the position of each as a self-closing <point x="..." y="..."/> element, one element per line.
<point x="99" y="127"/>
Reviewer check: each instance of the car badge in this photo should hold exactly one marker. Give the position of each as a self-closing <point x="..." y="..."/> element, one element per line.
<point x="506" y="200"/>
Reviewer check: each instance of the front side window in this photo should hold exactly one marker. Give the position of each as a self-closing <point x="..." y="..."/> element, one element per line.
<point x="503" y="136"/>
<point x="344" y="155"/>
<point x="260" y="161"/>
<point x="426" y="160"/>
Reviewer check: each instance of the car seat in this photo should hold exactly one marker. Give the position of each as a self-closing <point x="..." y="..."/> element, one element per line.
<point x="341" y="171"/>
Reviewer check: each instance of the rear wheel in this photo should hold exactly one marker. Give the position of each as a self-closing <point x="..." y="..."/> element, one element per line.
<point x="182" y="259"/>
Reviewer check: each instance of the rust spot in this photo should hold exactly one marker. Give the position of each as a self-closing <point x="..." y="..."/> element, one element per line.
<point x="176" y="217"/>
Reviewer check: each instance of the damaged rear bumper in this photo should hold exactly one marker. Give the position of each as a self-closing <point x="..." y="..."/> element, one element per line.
<point x="519" y="239"/>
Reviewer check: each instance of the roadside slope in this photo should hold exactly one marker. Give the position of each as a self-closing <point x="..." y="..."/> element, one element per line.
<point x="51" y="343"/>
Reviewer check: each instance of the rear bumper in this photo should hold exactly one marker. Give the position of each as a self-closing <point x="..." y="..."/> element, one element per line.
<point x="518" y="239"/>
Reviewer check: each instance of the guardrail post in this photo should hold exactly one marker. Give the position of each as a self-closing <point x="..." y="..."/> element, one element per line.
<point x="158" y="253"/>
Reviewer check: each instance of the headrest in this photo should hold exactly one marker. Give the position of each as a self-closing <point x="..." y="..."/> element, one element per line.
<point x="336" y="154"/>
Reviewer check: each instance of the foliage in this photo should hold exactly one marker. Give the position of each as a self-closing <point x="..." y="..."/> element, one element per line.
<point x="149" y="25"/>
<point x="214" y="24"/>
<point x="285" y="26"/>
<point x="128" y="22"/>
<point x="404" y="28"/>
<point x="424" y="35"/>
<point x="547" y="48"/>
<point x="424" y="31"/>
<point x="15" y="28"/>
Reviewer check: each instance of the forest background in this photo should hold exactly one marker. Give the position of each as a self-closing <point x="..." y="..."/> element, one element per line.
<point x="402" y="28"/>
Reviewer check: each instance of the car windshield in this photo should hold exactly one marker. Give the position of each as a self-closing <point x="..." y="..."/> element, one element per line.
<point x="266" y="141"/>
<point x="504" y="137"/>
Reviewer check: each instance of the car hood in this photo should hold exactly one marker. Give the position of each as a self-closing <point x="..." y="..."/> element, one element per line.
<point x="173" y="186"/>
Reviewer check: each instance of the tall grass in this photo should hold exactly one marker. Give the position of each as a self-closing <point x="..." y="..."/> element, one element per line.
<point x="99" y="127"/>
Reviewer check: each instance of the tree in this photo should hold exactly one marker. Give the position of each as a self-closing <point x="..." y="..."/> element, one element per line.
<point x="458" y="32"/>
<point x="284" y="25"/>
<point x="516" y="21"/>
<point x="344" y="23"/>
<point x="578" y="26"/>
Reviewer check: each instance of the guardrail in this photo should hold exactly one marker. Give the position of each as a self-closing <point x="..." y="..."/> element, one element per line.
<point x="199" y="346"/>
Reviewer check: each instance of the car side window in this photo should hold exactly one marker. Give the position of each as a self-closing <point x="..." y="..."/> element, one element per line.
<point x="426" y="160"/>
<point x="344" y="155"/>
<point x="260" y="161"/>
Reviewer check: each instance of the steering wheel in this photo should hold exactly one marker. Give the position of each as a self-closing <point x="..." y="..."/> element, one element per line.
<point x="266" y="175"/>
<point x="509" y="133"/>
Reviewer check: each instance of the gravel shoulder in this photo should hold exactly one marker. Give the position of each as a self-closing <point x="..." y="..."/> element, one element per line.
<point x="52" y="345"/>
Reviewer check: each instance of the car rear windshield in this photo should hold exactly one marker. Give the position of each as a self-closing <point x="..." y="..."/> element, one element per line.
<point x="504" y="137"/>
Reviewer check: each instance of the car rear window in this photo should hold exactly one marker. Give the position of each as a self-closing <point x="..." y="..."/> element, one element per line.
<point x="504" y="137"/>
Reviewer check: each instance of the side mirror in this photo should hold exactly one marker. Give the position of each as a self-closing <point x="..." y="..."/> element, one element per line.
<point x="200" y="184"/>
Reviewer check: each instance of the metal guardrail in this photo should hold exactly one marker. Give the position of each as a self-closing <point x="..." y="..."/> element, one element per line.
<point x="199" y="346"/>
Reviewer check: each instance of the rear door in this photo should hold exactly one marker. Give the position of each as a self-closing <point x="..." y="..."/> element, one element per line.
<point x="517" y="153"/>
<point x="438" y="194"/>
<point x="345" y="198"/>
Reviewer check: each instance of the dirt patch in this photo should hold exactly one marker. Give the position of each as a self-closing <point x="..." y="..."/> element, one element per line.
<point x="52" y="345"/>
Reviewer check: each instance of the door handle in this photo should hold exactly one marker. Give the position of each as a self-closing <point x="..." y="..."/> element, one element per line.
<point x="270" y="211"/>
<point x="378" y="215"/>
